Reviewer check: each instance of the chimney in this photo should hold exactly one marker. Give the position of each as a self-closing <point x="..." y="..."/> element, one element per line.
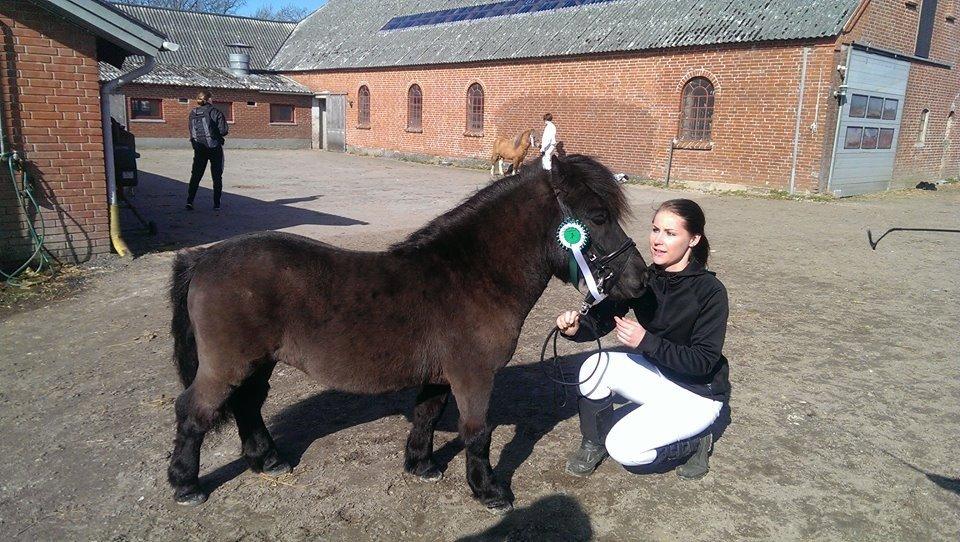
<point x="240" y="60"/>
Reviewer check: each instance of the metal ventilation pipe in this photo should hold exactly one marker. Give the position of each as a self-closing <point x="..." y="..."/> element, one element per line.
<point x="240" y="61"/>
<point x="240" y="64"/>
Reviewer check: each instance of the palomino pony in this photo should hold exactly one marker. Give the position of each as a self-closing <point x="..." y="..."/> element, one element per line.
<point x="514" y="150"/>
<point x="441" y="311"/>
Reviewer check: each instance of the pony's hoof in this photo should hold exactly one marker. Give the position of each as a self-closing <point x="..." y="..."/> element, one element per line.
<point x="432" y="475"/>
<point x="191" y="498"/>
<point x="277" y="469"/>
<point x="499" y="506"/>
<point x="425" y="470"/>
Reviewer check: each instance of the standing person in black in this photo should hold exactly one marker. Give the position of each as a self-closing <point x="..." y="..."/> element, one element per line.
<point x="673" y="365"/>
<point x="208" y="127"/>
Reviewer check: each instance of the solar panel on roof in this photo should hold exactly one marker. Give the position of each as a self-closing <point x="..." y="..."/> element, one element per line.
<point x="483" y="11"/>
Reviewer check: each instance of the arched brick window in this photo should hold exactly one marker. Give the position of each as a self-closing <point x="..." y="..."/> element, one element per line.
<point x="414" y="108"/>
<point x="363" y="107"/>
<point x="696" y="110"/>
<point x="924" y="124"/>
<point x="475" y="109"/>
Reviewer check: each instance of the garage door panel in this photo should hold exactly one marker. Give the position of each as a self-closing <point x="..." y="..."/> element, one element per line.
<point x="856" y="170"/>
<point x="878" y="73"/>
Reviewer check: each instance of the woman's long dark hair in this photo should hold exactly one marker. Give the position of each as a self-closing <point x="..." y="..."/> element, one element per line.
<point x="694" y="221"/>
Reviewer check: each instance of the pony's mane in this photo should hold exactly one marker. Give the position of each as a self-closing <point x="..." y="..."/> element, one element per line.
<point x="517" y="141"/>
<point x="591" y="176"/>
<point x="462" y="213"/>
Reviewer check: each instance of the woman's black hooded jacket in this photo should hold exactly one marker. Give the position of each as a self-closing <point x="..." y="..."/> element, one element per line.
<point x="685" y="315"/>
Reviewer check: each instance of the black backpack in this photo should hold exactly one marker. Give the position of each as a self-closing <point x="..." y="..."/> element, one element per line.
<point x="201" y="127"/>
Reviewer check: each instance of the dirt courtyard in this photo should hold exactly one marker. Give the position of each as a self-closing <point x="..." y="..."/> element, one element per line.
<point x="845" y="413"/>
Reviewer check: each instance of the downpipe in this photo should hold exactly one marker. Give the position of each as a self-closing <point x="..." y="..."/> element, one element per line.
<point x="105" y="91"/>
<point x="673" y="145"/>
<point x="796" y="128"/>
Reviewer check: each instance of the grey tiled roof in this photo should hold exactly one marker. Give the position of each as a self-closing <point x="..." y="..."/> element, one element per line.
<point x="203" y="37"/>
<point x="346" y="33"/>
<point x="207" y="77"/>
<point x="203" y="56"/>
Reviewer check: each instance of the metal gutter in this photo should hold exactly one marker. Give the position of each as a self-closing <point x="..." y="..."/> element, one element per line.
<point x="900" y="56"/>
<point x="111" y="25"/>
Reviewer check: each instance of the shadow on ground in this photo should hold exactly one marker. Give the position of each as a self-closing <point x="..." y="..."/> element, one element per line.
<point x="556" y="517"/>
<point x="161" y="200"/>
<point x="523" y="397"/>
<point x="950" y="484"/>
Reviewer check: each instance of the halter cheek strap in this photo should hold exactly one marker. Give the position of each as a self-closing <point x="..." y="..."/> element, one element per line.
<point x="598" y="296"/>
<point x="573" y="236"/>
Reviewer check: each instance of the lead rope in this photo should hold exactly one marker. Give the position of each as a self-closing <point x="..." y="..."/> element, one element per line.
<point x="560" y="395"/>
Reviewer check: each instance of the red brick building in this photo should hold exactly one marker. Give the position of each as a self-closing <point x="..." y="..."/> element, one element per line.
<point x="227" y="55"/>
<point x="839" y="96"/>
<point x="52" y="124"/>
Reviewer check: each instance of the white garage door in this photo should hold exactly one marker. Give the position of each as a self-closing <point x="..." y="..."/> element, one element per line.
<point x="869" y="124"/>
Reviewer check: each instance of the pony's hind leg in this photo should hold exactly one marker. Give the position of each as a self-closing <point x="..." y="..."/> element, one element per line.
<point x="418" y="459"/>
<point x="199" y="408"/>
<point x="246" y="402"/>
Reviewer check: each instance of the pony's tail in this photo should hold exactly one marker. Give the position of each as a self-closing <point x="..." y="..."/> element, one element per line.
<point x="184" y="341"/>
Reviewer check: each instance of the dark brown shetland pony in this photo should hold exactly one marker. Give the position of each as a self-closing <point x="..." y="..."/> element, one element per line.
<point x="441" y="311"/>
<point x="514" y="150"/>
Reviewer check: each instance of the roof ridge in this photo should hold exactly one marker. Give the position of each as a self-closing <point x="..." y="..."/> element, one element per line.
<point x="129" y="4"/>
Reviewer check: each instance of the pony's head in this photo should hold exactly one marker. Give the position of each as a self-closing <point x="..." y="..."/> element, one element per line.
<point x="596" y="201"/>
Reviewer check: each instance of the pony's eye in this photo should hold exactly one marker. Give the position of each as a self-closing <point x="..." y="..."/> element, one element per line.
<point x="598" y="216"/>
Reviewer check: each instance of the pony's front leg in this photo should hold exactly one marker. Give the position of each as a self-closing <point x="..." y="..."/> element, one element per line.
<point x="418" y="459"/>
<point x="473" y="400"/>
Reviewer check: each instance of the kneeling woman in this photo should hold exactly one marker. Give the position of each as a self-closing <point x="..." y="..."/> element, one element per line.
<point x="674" y="369"/>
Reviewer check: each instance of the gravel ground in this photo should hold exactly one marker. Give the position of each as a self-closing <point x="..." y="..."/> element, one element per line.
<point x="844" y="364"/>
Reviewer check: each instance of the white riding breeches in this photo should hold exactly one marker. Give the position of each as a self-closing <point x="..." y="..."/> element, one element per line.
<point x="667" y="412"/>
<point x="546" y="159"/>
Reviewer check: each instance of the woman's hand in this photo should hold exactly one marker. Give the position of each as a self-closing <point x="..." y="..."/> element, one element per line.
<point x="629" y="332"/>
<point x="569" y="323"/>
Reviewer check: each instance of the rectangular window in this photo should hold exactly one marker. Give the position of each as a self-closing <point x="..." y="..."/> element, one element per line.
<point x="890" y="109"/>
<point x="282" y="114"/>
<point x="226" y="108"/>
<point x="852" y="139"/>
<point x="252" y="104"/>
<point x="928" y="15"/>
<point x="858" y="106"/>
<point x="870" y="136"/>
<point x="886" y="138"/>
<point x="183" y="101"/>
<point x="146" y="109"/>
<point x="875" y="108"/>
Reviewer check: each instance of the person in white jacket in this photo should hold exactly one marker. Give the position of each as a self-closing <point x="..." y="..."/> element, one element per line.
<point x="549" y="141"/>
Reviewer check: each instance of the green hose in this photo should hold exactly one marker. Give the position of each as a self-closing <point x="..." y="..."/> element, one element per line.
<point x="25" y="198"/>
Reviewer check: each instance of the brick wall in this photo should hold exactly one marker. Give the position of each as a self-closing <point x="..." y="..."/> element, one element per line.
<point x="51" y="112"/>
<point x="250" y="122"/>
<point x="623" y="109"/>
<point x="891" y="24"/>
